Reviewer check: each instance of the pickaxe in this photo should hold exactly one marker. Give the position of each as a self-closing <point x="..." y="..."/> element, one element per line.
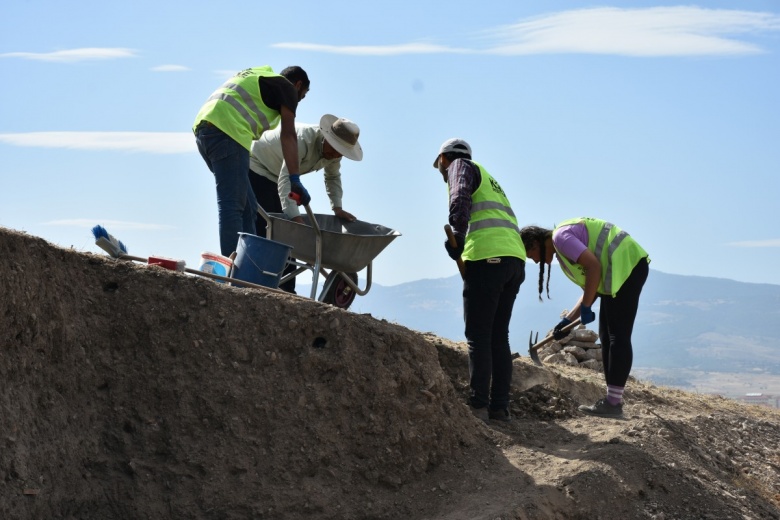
<point x="533" y="348"/>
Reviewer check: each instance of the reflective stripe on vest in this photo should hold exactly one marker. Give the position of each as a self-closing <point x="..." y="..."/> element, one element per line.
<point x="491" y="222"/>
<point x="237" y="107"/>
<point x="246" y="98"/>
<point x="613" y="245"/>
<point x="614" y="260"/>
<point x="492" y="229"/>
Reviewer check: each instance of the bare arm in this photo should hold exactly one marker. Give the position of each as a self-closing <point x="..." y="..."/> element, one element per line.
<point x="592" y="280"/>
<point x="592" y="277"/>
<point x="289" y="141"/>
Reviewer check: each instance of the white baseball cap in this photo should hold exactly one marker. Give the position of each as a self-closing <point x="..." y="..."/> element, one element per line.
<point x="452" y="145"/>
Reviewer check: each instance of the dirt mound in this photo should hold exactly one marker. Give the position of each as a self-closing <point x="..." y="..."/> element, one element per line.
<point x="129" y="391"/>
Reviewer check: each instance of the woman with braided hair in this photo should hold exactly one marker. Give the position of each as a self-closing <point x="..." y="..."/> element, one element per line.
<point x="608" y="263"/>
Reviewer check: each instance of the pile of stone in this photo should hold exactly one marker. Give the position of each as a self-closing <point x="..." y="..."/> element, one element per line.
<point x="579" y="348"/>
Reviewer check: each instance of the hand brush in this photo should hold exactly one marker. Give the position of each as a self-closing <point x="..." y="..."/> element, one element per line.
<point x="108" y="243"/>
<point x="116" y="249"/>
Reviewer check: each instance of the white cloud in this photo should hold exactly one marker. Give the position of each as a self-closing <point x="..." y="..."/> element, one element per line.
<point x="170" y="68"/>
<point x="374" y="50"/>
<point x="148" y="142"/>
<point x="656" y="31"/>
<point x="112" y="224"/>
<point x="74" y="55"/>
<point x="772" y="242"/>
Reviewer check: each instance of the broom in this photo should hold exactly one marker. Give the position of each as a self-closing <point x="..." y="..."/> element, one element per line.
<point x="108" y="243"/>
<point x="116" y="249"/>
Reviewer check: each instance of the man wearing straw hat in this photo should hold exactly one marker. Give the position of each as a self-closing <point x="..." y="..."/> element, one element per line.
<point x="319" y="147"/>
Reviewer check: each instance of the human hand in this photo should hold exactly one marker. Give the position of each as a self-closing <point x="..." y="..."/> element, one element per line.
<point x="297" y="192"/>
<point x="558" y="333"/>
<point x="586" y="314"/>
<point x="345" y="215"/>
<point x="457" y="250"/>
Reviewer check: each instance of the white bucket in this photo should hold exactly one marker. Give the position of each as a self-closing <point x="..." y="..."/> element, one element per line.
<point x="215" y="264"/>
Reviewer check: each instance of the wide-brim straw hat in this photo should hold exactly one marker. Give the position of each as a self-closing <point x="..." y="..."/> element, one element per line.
<point x="342" y="134"/>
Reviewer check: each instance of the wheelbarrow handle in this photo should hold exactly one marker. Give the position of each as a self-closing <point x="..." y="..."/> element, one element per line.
<point x="549" y="338"/>
<point x="454" y="243"/>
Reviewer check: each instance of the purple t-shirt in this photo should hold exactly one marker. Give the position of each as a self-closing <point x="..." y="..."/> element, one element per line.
<point x="570" y="241"/>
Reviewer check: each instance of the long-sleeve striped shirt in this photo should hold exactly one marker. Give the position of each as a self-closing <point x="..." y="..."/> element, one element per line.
<point x="463" y="181"/>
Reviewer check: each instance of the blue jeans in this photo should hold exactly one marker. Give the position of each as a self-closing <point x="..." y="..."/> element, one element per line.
<point x="236" y="204"/>
<point x="489" y="292"/>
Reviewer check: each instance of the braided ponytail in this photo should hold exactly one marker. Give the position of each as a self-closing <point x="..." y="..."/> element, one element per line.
<point x="537" y="236"/>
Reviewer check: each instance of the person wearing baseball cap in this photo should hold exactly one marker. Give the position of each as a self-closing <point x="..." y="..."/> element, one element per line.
<point x="320" y="147"/>
<point x="488" y="244"/>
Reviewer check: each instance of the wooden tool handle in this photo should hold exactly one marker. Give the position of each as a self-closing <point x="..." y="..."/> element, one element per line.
<point x="454" y="243"/>
<point x="549" y="338"/>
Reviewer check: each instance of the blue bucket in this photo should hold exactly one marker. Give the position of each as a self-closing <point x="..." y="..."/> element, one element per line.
<point x="259" y="260"/>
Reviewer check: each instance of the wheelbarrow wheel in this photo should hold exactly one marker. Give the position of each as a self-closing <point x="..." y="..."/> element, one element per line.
<point x="339" y="293"/>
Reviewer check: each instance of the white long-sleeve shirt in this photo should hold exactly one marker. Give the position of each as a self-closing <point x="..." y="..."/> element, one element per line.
<point x="266" y="159"/>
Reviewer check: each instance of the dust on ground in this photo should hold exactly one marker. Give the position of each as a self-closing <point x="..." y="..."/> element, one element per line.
<point x="131" y="392"/>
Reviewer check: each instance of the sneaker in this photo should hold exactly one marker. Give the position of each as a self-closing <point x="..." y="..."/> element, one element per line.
<point x="480" y="413"/>
<point x="602" y="408"/>
<point x="500" y="415"/>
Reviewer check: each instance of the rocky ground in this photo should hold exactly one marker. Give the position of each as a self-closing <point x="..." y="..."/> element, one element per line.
<point x="131" y="392"/>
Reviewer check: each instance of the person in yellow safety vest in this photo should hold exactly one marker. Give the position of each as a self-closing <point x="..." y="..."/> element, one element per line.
<point x="488" y="241"/>
<point x="606" y="262"/>
<point x="251" y="102"/>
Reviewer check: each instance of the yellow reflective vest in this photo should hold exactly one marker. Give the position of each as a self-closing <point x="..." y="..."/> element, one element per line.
<point x="493" y="230"/>
<point x="237" y="107"/>
<point x="615" y="249"/>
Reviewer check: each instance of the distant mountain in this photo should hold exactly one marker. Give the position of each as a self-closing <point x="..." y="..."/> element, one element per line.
<point x="690" y="322"/>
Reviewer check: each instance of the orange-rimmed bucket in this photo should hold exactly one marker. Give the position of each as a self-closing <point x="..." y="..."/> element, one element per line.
<point x="215" y="264"/>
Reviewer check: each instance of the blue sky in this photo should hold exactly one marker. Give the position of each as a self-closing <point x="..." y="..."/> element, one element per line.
<point x="663" y="118"/>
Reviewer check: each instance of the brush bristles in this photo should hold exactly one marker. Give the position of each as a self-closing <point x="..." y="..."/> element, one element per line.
<point x="100" y="232"/>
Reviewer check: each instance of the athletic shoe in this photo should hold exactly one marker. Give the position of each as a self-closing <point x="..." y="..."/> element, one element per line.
<point x="500" y="415"/>
<point x="480" y="413"/>
<point x="602" y="408"/>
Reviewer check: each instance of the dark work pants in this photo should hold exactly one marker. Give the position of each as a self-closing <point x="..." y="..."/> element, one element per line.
<point x="267" y="196"/>
<point x="489" y="292"/>
<point x="616" y="324"/>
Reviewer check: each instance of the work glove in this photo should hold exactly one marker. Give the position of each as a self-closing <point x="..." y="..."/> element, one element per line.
<point x="455" y="251"/>
<point x="297" y="192"/>
<point x="558" y="333"/>
<point x="586" y="314"/>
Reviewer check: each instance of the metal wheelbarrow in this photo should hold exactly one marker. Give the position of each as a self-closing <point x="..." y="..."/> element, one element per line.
<point x="329" y="246"/>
